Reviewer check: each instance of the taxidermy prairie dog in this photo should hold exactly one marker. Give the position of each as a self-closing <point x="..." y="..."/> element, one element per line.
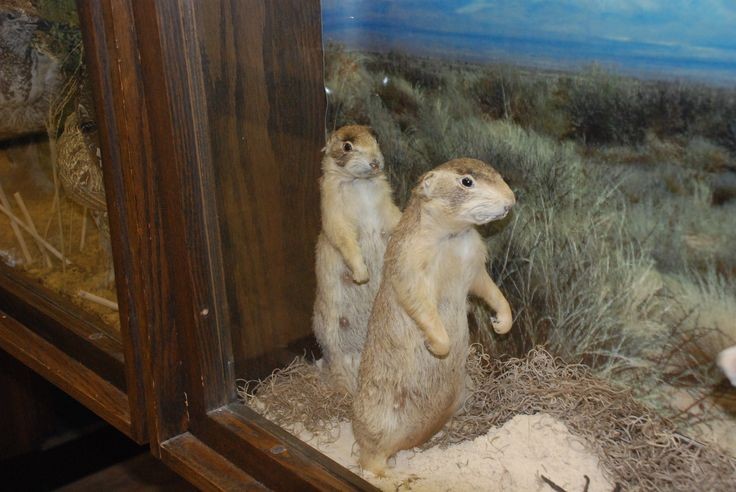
<point x="412" y="373"/>
<point x="358" y="215"/>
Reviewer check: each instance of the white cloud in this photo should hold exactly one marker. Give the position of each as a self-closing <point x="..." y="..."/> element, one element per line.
<point x="623" y="6"/>
<point x="611" y="6"/>
<point x="474" y="7"/>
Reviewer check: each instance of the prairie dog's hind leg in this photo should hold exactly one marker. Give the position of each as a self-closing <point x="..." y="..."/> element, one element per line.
<point x="344" y="371"/>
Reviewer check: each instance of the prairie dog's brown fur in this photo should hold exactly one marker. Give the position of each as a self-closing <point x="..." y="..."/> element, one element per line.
<point x="412" y="372"/>
<point x="358" y="214"/>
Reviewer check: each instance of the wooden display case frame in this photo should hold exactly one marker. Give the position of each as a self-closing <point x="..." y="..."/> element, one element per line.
<point x="183" y="88"/>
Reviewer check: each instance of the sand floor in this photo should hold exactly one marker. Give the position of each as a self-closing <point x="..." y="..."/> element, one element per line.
<point x="513" y="457"/>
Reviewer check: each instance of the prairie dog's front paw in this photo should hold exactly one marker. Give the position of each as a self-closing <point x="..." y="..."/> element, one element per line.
<point x="439" y="346"/>
<point x="360" y="273"/>
<point x="501" y="323"/>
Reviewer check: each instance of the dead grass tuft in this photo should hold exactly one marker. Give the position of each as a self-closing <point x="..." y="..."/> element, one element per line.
<point x="299" y="397"/>
<point x="637" y="448"/>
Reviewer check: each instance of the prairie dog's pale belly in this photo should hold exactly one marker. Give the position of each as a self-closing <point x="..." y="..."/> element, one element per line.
<point x="456" y="263"/>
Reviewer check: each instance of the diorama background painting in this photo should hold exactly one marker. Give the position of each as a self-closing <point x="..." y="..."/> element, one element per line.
<point x="671" y="38"/>
<point x="615" y="124"/>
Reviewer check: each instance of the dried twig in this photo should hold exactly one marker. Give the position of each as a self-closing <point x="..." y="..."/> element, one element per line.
<point x="83" y="239"/>
<point x="54" y="204"/>
<point x="29" y="221"/>
<point x="35" y="236"/>
<point x="68" y="249"/>
<point x="553" y="485"/>
<point x="18" y="235"/>
<point x="98" y="300"/>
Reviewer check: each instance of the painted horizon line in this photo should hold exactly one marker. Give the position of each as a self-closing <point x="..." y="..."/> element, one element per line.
<point x="639" y="59"/>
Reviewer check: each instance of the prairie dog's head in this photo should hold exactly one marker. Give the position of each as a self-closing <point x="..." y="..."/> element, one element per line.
<point x="465" y="191"/>
<point x="353" y="151"/>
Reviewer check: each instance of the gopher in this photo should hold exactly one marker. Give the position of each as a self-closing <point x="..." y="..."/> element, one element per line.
<point x="412" y="374"/>
<point x="358" y="215"/>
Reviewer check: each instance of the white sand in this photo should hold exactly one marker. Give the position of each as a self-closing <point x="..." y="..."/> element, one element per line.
<point x="510" y="458"/>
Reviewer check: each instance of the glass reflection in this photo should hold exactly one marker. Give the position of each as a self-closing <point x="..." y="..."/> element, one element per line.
<point x="53" y="213"/>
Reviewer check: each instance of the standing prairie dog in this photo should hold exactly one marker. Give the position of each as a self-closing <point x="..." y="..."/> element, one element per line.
<point x="412" y="373"/>
<point x="358" y="215"/>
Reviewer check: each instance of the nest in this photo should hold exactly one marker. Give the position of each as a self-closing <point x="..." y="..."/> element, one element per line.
<point x="637" y="447"/>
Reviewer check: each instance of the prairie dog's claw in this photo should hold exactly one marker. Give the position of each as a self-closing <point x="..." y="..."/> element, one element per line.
<point x="501" y="325"/>
<point x="440" y="348"/>
<point x="360" y="274"/>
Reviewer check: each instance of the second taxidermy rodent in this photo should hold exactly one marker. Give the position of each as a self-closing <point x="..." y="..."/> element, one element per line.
<point x="358" y="215"/>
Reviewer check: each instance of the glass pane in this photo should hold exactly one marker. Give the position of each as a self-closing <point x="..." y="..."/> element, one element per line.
<point x="54" y="218"/>
<point x="614" y="123"/>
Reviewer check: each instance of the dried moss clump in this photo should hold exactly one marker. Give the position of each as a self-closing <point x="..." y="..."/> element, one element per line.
<point x="298" y="397"/>
<point x="637" y="447"/>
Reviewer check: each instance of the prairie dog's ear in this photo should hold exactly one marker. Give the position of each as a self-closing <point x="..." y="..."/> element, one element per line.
<point x="427" y="183"/>
<point x="330" y="139"/>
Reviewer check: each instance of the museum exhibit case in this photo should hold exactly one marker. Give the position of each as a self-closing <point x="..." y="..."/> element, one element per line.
<point x="162" y="241"/>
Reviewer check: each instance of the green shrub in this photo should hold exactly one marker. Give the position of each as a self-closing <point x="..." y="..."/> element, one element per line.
<point x="505" y="92"/>
<point x="605" y="108"/>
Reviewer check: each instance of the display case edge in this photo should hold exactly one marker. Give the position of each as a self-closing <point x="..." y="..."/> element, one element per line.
<point x="68" y="374"/>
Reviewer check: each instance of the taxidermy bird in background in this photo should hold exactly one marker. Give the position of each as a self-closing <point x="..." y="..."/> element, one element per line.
<point x="80" y="167"/>
<point x="29" y="77"/>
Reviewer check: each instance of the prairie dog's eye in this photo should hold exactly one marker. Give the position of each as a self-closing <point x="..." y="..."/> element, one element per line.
<point x="347" y="146"/>
<point x="467" y="182"/>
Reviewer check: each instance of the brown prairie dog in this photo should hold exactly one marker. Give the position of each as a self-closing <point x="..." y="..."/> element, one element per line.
<point x="412" y="373"/>
<point x="358" y="214"/>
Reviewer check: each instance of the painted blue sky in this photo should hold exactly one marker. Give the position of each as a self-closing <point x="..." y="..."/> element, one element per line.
<point x="680" y="38"/>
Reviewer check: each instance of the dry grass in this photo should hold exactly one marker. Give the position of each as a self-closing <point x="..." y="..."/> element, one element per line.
<point x="637" y="447"/>
<point x="299" y="397"/>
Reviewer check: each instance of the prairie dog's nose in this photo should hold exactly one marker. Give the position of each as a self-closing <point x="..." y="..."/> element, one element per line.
<point x="375" y="165"/>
